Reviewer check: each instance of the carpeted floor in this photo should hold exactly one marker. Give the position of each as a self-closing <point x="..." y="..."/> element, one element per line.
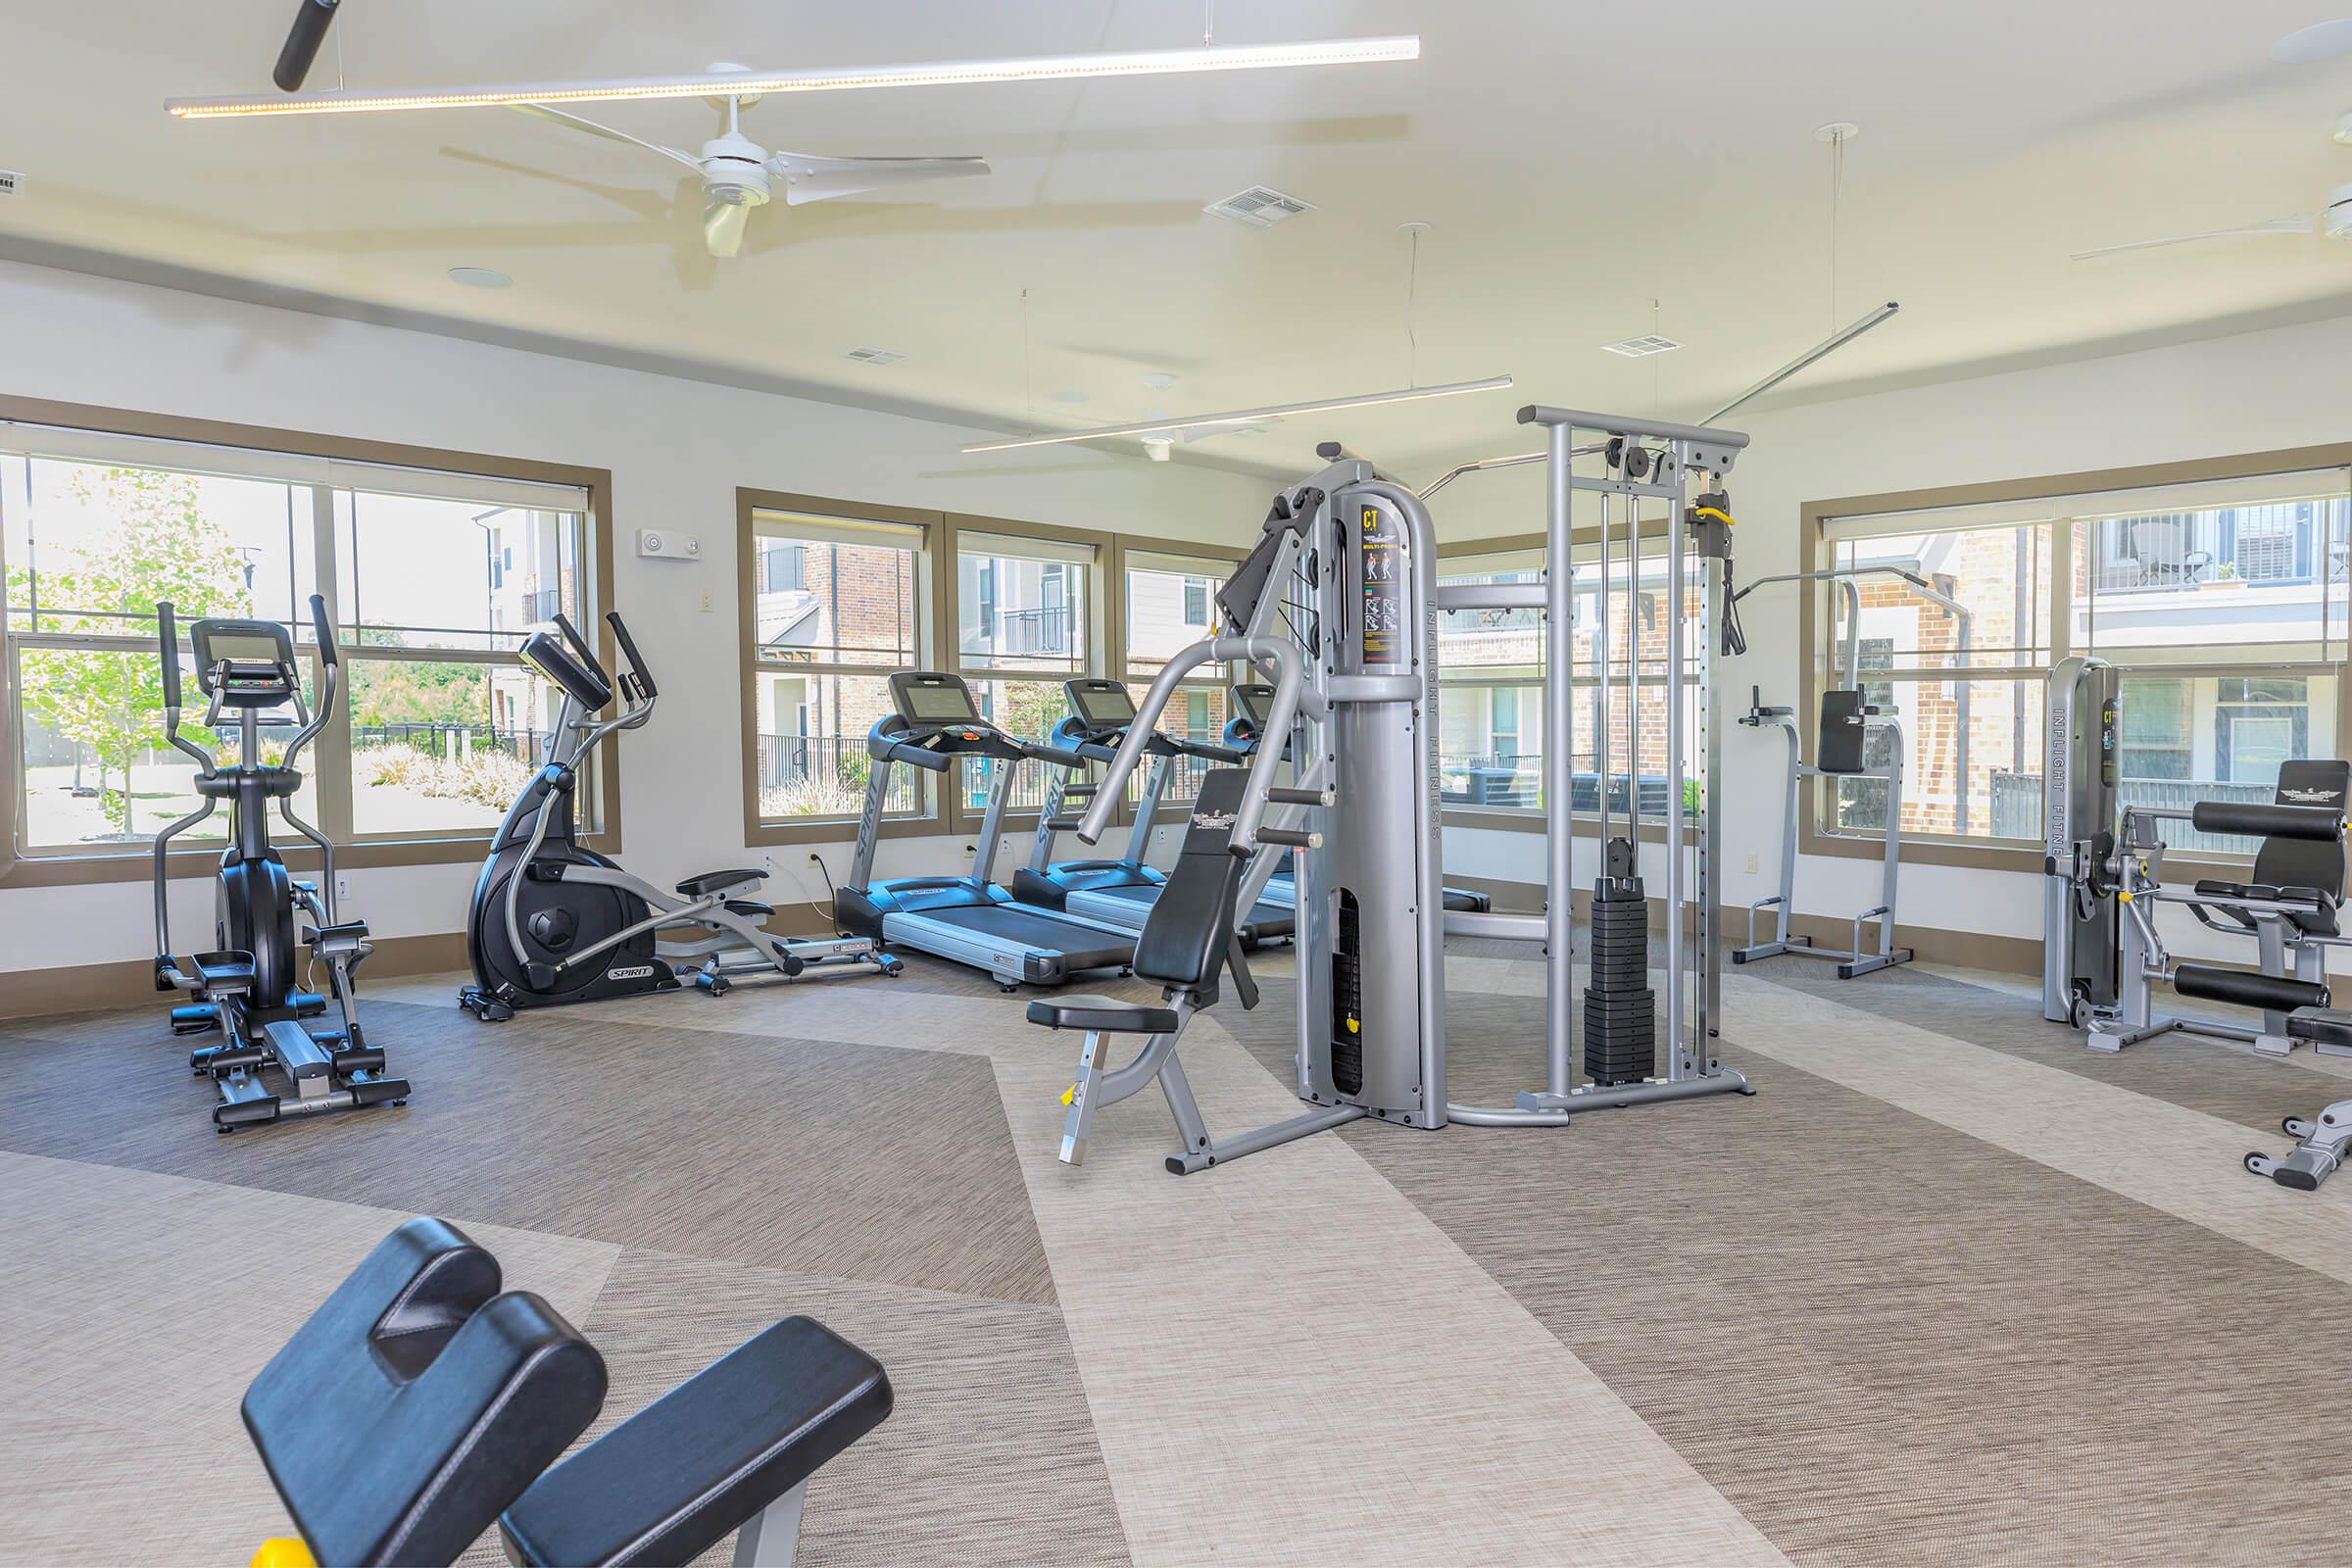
<point x="1949" y="1289"/>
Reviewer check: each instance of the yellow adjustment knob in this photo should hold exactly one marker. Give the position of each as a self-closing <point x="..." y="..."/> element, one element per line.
<point x="1354" y="1028"/>
<point x="1069" y="1096"/>
<point x="282" y="1551"/>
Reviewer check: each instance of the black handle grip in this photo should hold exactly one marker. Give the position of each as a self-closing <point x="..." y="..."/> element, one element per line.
<point x="170" y="641"/>
<point x="579" y="646"/>
<point x="1283" y="795"/>
<point x="2262" y="821"/>
<point x="628" y="648"/>
<point x="323" y="631"/>
<point x="920" y="757"/>
<point x="309" y="31"/>
<point x="1211" y="753"/>
<point x="1290" y="840"/>
<point x="1043" y="753"/>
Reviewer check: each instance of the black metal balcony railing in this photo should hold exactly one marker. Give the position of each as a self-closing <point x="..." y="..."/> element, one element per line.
<point x="1050" y="631"/>
<point x="541" y="606"/>
<point x="2254" y="546"/>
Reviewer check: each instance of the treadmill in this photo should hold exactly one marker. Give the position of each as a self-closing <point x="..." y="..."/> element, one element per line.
<point x="1242" y="734"/>
<point x="933" y="722"/>
<point x="1120" y="891"/>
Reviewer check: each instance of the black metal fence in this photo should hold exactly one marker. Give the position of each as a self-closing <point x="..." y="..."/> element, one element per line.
<point x="2017" y="808"/>
<point x="452" y="740"/>
<point x="824" y="775"/>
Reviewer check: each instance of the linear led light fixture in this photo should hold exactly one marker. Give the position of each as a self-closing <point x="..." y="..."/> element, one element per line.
<point x="1250" y="416"/>
<point x="947" y="74"/>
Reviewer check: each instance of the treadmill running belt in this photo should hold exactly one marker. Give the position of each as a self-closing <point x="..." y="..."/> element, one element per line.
<point x="1082" y="947"/>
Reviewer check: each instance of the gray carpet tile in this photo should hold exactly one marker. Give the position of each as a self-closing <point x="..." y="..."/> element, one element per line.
<point x="988" y="1456"/>
<point x="2192" y="1071"/>
<point x="1884" y="1341"/>
<point x="860" y="1161"/>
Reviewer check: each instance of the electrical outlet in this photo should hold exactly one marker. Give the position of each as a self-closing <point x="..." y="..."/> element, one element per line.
<point x="1749" y="865"/>
<point x="767" y="860"/>
<point x="342" y="888"/>
<point x="706" y="601"/>
<point x="1159" y="837"/>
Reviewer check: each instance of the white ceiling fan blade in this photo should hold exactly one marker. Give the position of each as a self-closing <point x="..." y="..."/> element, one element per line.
<point x="722" y="228"/>
<point x="1201" y="432"/>
<point x="2299" y="223"/>
<point x="820" y="180"/>
<point x="2321" y="40"/>
<point x="560" y="118"/>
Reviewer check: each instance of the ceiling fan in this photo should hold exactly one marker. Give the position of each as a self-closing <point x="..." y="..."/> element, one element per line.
<point x="2336" y="222"/>
<point x="739" y="174"/>
<point x="1160" y="443"/>
<point x="2320" y="41"/>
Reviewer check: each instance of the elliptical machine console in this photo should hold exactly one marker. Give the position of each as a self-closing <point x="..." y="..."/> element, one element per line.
<point x="246" y="988"/>
<point x="553" y="921"/>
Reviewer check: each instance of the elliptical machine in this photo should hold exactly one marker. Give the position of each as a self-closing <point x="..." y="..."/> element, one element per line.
<point x="553" y="921"/>
<point x="246" y="988"/>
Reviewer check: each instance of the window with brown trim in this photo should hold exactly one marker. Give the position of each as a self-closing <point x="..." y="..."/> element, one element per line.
<point x="2219" y="595"/>
<point x="432" y="578"/>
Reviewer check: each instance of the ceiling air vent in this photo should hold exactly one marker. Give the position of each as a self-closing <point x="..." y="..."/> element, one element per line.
<point x="1639" y="347"/>
<point x="1261" y="207"/>
<point x="9" y="181"/>
<point x="874" y="356"/>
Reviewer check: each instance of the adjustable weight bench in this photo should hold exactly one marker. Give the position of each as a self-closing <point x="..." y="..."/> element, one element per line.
<point x="422" y="1404"/>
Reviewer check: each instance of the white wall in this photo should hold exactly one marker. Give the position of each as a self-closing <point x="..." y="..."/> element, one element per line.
<point x="2257" y="392"/>
<point x="677" y="449"/>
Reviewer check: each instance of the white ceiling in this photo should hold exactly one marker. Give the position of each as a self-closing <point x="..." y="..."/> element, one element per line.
<point x="1578" y="162"/>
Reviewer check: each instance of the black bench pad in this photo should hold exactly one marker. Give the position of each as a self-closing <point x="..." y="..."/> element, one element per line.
<point x="2321" y="1026"/>
<point x="690" y="1469"/>
<point x="2317" y="898"/>
<point x="709" y="882"/>
<point x="1106" y="1013"/>
<point x="418" y="1402"/>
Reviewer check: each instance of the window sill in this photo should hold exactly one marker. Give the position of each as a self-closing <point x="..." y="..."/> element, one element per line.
<point x="139" y="864"/>
<point x="1996" y="856"/>
<point x="835" y="829"/>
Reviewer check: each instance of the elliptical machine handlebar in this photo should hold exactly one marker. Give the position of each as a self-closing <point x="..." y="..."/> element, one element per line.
<point x="639" y="677"/>
<point x="330" y="681"/>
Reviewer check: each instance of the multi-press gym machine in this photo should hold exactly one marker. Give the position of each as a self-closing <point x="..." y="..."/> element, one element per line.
<point x="1337" y="606"/>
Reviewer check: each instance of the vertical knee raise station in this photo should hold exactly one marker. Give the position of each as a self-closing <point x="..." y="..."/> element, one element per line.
<point x="1848" y="723"/>
<point x="1337" y="606"/>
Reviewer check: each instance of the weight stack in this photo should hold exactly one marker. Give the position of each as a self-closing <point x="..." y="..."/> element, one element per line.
<point x="1620" y="1008"/>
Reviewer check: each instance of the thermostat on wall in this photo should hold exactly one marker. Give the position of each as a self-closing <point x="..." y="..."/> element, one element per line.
<point x="669" y="546"/>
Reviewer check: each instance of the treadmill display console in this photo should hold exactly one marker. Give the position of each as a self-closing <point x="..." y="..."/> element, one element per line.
<point x="1103" y="705"/>
<point x="939" y="704"/>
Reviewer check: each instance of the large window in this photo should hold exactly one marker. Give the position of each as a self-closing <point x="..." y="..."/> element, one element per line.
<point x="1024" y="607"/>
<point x="1171" y="604"/>
<point x="432" y="579"/>
<point x="836" y="605"/>
<point x="2221" y="601"/>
